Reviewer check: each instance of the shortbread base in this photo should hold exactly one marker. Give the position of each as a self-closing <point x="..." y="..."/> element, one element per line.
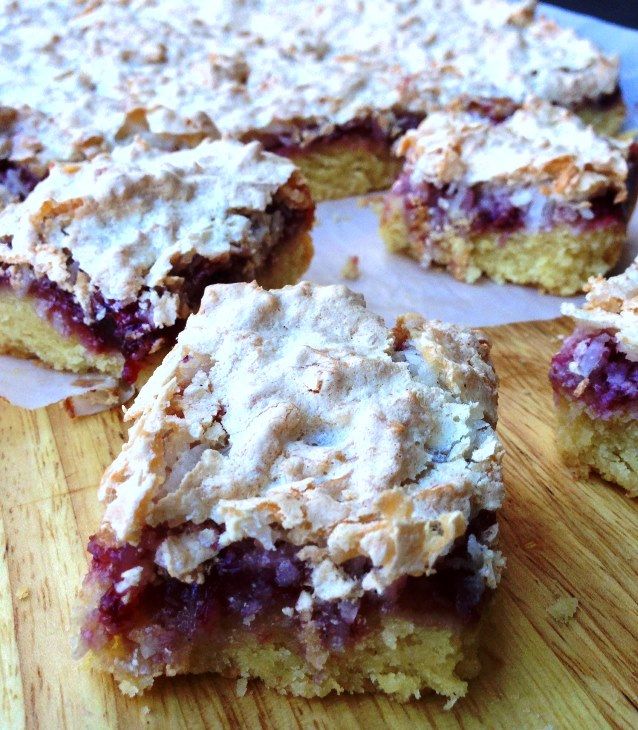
<point x="608" y="447"/>
<point x="287" y="263"/>
<point x="559" y="261"/>
<point x="25" y="334"/>
<point x="605" y="121"/>
<point x="341" y="169"/>
<point x="401" y="659"/>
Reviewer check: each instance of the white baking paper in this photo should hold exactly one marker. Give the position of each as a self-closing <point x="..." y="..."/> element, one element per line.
<point x="391" y="284"/>
<point x="28" y="385"/>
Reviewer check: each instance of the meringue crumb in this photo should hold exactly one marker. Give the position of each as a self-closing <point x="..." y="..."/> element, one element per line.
<point x="145" y="711"/>
<point x="241" y="686"/>
<point x="450" y="703"/>
<point x="23" y="593"/>
<point x="288" y="610"/>
<point x="350" y="269"/>
<point x="563" y="609"/>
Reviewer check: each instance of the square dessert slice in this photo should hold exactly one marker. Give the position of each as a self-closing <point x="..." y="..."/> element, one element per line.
<point x="532" y="197"/>
<point x="595" y="381"/>
<point x="305" y="497"/>
<point x="104" y="260"/>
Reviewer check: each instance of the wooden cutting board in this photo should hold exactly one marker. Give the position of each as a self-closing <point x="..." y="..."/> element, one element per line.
<point x="562" y="537"/>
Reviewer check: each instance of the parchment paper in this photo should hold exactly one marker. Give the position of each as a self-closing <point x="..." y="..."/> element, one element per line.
<point x="391" y="284"/>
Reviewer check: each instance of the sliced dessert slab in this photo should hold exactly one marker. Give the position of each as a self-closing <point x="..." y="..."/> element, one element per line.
<point x="379" y="70"/>
<point x="104" y="260"/>
<point x="306" y="497"/>
<point x="595" y="381"/>
<point x="529" y="195"/>
<point x="332" y="84"/>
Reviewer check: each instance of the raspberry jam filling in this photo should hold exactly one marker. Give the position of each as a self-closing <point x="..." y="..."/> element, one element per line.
<point x="129" y="328"/>
<point x="591" y="369"/>
<point x="375" y="132"/>
<point x="18" y="179"/>
<point x="370" y="132"/>
<point x="602" y="103"/>
<point x="248" y="585"/>
<point x="484" y="209"/>
<point x="114" y="326"/>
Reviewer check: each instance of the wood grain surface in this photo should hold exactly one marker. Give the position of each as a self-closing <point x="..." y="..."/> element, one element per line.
<point x="562" y="537"/>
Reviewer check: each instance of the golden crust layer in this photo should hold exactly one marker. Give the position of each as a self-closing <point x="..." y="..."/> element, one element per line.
<point x="400" y="658"/>
<point x="558" y="261"/>
<point x="607" y="121"/>
<point x="342" y="169"/>
<point x="24" y="333"/>
<point x="607" y="447"/>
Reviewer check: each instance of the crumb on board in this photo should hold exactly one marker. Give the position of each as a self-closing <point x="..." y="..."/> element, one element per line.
<point x="450" y="703"/>
<point x="23" y="593"/>
<point x="146" y="710"/>
<point x="241" y="686"/>
<point x="350" y="269"/>
<point x="563" y="609"/>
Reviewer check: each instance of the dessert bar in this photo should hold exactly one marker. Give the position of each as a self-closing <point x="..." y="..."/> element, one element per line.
<point x="306" y="497"/>
<point x="330" y="84"/>
<point x="104" y="259"/>
<point x="595" y="381"/>
<point x="529" y="195"/>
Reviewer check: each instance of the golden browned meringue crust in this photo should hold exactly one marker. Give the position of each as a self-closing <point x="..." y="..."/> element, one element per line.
<point x="121" y="223"/>
<point x="611" y="304"/>
<point x="31" y="138"/>
<point x="540" y="145"/>
<point x="104" y="71"/>
<point x="297" y="415"/>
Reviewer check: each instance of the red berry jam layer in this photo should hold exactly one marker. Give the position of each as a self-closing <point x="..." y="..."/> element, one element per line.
<point x="602" y="103"/>
<point x="591" y="369"/>
<point x="18" y="179"/>
<point x="124" y="328"/>
<point x="370" y="132"/>
<point x="248" y="585"/>
<point x="375" y="132"/>
<point x="483" y="209"/>
<point x="128" y="328"/>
